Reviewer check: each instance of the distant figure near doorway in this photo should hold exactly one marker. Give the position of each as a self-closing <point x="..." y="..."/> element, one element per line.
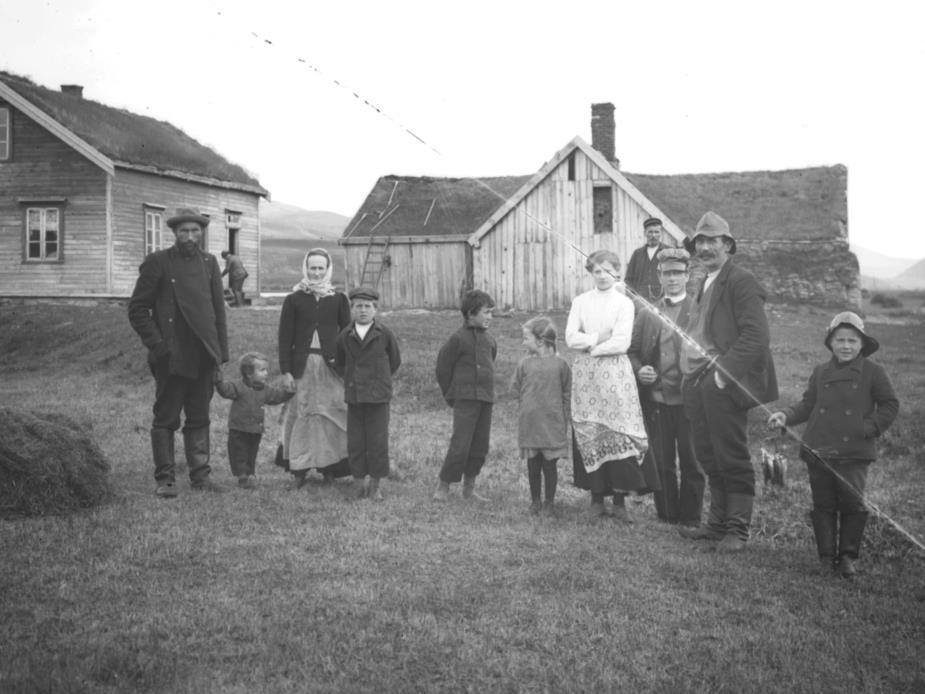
<point x="236" y="272"/>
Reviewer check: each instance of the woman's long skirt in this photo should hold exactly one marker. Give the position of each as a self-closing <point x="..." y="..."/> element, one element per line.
<point x="609" y="436"/>
<point x="314" y="422"/>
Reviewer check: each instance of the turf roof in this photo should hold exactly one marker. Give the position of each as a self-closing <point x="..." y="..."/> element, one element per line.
<point x="803" y="204"/>
<point x="793" y="204"/>
<point x="427" y="206"/>
<point x="129" y="138"/>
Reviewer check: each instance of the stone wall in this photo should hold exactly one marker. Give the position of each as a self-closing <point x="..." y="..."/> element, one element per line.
<point x="822" y="273"/>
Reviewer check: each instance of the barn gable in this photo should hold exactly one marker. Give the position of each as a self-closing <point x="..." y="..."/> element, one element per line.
<point x="530" y="253"/>
<point x="602" y="171"/>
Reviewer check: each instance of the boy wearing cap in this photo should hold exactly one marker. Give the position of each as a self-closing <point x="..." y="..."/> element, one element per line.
<point x="655" y="352"/>
<point x="367" y="353"/>
<point x="849" y="402"/>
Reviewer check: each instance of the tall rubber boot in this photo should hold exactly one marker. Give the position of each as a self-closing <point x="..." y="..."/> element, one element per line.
<point x="738" y="521"/>
<point x="850" y="533"/>
<point x="824" y="530"/>
<point x="715" y="528"/>
<point x="196" y="446"/>
<point x="162" y="449"/>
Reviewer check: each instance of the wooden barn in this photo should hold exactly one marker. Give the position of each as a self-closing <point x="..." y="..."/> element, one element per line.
<point x="86" y="189"/>
<point x="524" y="239"/>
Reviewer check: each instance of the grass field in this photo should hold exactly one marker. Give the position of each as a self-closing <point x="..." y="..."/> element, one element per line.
<point x="310" y="591"/>
<point x="281" y="262"/>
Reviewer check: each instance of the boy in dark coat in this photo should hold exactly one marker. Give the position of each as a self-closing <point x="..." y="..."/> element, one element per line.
<point x="850" y="401"/>
<point x="367" y="353"/>
<point x="466" y="375"/>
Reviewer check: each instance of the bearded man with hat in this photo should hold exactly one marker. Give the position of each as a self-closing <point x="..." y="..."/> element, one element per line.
<point x="642" y="269"/>
<point x="178" y="310"/>
<point x="727" y="369"/>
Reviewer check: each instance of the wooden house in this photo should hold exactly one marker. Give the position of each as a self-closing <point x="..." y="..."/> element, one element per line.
<point x="86" y="189"/>
<point x="524" y="239"/>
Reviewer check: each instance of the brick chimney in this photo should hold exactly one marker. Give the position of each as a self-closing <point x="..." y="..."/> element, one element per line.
<point x="73" y="90"/>
<point x="603" y="132"/>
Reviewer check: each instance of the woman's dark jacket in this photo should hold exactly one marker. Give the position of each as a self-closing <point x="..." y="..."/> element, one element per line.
<point x="302" y="315"/>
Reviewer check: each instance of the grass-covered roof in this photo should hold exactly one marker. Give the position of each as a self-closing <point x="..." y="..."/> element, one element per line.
<point x="427" y="206"/>
<point x="786" y="205"/>
<point x="781" y="205"/>
<point x="129" y="138"/>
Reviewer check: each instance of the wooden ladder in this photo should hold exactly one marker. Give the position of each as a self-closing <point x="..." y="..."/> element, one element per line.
<point x="377" y="260"/>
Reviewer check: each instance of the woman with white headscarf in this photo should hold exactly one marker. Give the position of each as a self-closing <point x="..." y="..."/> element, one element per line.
<point x="314" y="422"/>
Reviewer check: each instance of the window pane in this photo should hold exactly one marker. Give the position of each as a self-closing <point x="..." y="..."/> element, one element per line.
<point x="4" y="133"/>
<point x="35" y="235"/>
<point x="35" y="250"/>
<point x="51" y="236"/>
<point x="51" y="251"/>
<point x="35" y="219"/>
<point x="51" y="218"/>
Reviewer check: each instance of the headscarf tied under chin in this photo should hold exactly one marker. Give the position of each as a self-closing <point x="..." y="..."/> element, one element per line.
<point x="320" y="288"/>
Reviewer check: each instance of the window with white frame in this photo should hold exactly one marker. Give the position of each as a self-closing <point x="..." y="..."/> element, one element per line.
<point x="6" y="133"/>
<point x="44" y="226"/>
<point x="154" y="230"/>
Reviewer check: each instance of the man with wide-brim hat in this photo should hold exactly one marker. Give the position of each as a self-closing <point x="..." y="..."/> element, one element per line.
<point x="727" y="369"/>
<point x="178" y="310"/>
<point x="642" y="269"/>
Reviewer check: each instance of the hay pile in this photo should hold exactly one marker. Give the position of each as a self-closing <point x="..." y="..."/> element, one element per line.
<point x="49" y="463"/>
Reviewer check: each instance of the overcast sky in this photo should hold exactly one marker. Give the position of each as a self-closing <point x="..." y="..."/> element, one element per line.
<point x="494" y="87"/>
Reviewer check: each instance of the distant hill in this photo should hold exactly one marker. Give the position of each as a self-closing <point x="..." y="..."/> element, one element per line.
<point x="279" y="220"/>
<point x="913" y="278"/>
<point x="879" y="266"/>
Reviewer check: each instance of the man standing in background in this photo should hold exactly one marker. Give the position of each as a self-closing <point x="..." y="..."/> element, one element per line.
<point x="234" y="268"/>
<point x="642" y="269"/>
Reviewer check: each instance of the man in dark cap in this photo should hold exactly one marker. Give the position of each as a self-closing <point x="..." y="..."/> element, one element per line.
<point x="642" y="269"/>
<point x="178" y="310"/>
<point x="655" y="353"/>
<point x="727" y="368"/>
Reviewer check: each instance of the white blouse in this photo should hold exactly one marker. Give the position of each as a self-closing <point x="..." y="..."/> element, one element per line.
<point x="596" y="312"/>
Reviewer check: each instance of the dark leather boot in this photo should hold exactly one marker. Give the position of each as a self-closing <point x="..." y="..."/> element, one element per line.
<point x="196" y="446"/>
<point x="715" y="528"/>
<point x="824" y="530"/>
<point x="850" y="533"/>
<point x="738" y="521"/>
<point x="162" y="448"/>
